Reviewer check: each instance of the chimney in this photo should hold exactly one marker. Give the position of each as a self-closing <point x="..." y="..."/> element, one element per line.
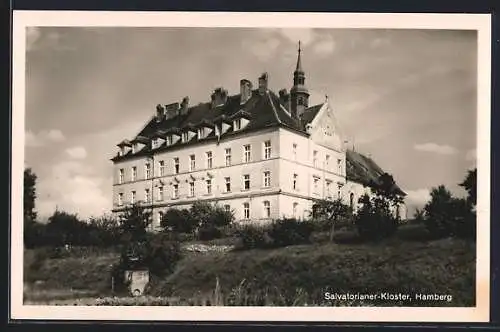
<point x="219" y="97"/>
<point x="285" y="99"/>
<point x="171" y="110"/>
<point x="160" y="113"/>
<point x="184" y="106"/>
<point x="263" y="80"/>
<point x="245" y="90"/>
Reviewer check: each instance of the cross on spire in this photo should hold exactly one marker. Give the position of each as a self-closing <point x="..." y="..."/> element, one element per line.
<point x="299" y="62"/>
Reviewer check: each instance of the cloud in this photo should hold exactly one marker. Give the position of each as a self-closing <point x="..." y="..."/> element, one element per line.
<point x="32" y="36"/>
<point x="43" y="137"/>
<point x="77" y="152"/>
<point x="435" y="148"/>
<point x="471" y="155"/>
<point x="263" y="49"/>
<point x="324" y="47"/>
<point x="306" y="36"/>
<point x="417" y="197"/>
<point x="72" y="187"/>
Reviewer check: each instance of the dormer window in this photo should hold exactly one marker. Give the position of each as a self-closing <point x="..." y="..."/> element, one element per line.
<point x="155" y="143"/>
<point x="134" y="148"/>
<point x="201" y="132"/>
<point x="185" y="137"/>
<point x="169" y="140"/>
<point x="237" y="124"/>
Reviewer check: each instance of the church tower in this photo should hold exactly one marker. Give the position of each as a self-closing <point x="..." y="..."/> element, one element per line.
<point x="299" y="96"/>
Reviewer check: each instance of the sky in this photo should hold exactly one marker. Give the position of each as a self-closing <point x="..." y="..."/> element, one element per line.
<point x="406" y="98"/>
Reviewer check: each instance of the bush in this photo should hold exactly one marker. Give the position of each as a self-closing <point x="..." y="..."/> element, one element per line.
<point x="252" y="236"/>
<point x="178" y="220"/>
<point x="280" y="233"/>
<point x="289" y="231"/>
<point x="210" y="219"/>
<point x="158" y="253"/>
<point x="374" y="220"/>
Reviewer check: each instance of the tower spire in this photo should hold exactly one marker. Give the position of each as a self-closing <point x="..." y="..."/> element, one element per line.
<point x="299" y="62"/>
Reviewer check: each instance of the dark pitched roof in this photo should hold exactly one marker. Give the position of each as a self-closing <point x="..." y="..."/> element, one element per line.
<point x="263" y="111"/>
<point x="363" y="170"/>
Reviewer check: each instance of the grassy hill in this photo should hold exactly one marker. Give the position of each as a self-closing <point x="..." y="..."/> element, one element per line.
<point x="294" y="275"/>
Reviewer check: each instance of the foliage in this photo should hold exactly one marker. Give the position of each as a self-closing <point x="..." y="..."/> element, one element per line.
<point x="280" y="233"/>
<point x="178" y="220"/>
<point x="29" y="194"/>
<point x="333" y="212"/>
<point x="133" y="223"/>
<point x="375" y="219"/>
<point x="289" y="231"/>
<point x="252" y="236"/>
<point x="470" y="185"/>
<point x="446" y="215"/>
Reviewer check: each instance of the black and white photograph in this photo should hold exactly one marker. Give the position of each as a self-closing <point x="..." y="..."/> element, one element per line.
<point x="279" y="166"/>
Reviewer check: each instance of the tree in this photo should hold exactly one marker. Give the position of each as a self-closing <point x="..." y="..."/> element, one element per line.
<point x="133" y="223"/>
<point x="178" y="220"/>
<point x="29" y="194"/>
<point x="333" y="211"/>
<point x="66" y="228"/>
<point x="470" y="185"/>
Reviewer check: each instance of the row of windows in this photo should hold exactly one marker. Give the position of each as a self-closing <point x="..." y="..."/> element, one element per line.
<point x="202" y="133"/>
<point x="208" y="189"/>
<point x="247" y="157"/>
<point x="266" y="210"/>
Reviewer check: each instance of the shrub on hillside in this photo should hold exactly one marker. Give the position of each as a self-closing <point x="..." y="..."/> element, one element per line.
<point x="289" y="231"/>
<point x="210" y="219"/>
<point x="374" y="219"/>
<point x="178" y="220"/>
<point x="253" y="236"/>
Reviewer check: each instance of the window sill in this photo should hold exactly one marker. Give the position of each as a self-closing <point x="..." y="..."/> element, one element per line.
<point x="243" y="190"/>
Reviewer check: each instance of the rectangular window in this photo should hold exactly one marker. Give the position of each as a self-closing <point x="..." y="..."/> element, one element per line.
<point x="267" y="149"/>
<point x="237" y="124"/>
<point x="339" y="163"/>
<point x="228" y="156"/>
<point x="147" y="171"/>
<point x="327" y="161"/>
<point x="175" y="191"/>
<point x="246" y="210"/>
<point x="132" y="197"/>
<point x="267" y="179"/>
<point x="294" y="151"/>
<point x="133" y="175"/>
<point x="147" y="195"/>
<point x="209" y="186"/>
<point x="227" y="208"/>
<point x="160" y="194"/>
<point x="192" y="162"/>
<point x="120" y="199"/>
<point x="315" y="158"/>
<point x="209" y="159"/>
<point x="228" y="184"/>
<point x="295" y="178"/>
<point x="328" y="189"/>
<point x="246" y="182"/>
<point x="295" y="205"/>
<point x="246" y="153"/>
<point x="267" y="209"/>
<point x="121" y="175"/>
<point x="161" y="167"/>
<point x="316" y="185"/>
<point x="191" y="189"/>
<point x="160" y="217"/>
<point x="176" y="165"/>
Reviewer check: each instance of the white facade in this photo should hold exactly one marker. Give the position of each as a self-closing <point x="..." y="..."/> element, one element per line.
<point x="272" y="173"/>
